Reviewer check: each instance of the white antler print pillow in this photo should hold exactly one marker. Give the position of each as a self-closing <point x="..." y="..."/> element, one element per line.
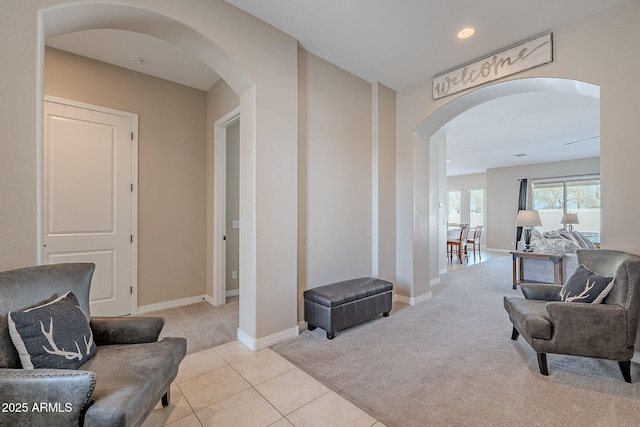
<point x="54" y="335"/>
<point x="585" y="286"/>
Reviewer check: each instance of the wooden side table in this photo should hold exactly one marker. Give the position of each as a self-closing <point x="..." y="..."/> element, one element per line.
<point x="555" y="258"/>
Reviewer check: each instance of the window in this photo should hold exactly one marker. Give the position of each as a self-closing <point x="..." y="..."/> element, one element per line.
<point x="580" y="195"/>
<point x="454" y="207"/>
<point x="476" y="207"/>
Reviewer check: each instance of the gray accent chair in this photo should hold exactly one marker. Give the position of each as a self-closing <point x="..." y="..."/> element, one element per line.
<point x="605" y="331"/>
<point x="130" y="373"/>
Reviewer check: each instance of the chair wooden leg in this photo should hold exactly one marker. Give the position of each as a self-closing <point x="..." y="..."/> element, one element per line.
<point x="542" y="363"/>
<point x="166" y="398"/>
<point x="514" y="334"/>
<point x="625" y="368"/>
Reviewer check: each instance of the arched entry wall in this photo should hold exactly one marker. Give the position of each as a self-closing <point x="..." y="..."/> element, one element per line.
<point x="224" y="42"/>
<point x="600" y="50"/>
<point x="428" y="167"/>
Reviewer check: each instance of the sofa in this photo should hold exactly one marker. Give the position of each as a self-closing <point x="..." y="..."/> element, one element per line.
<point x="114" y="372"/>
<point x="558" y="241"/>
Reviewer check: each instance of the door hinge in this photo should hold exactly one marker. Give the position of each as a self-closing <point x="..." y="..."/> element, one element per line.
<point x="131" y="187"/>
<point x="131" y="238"/>
<point x="132" y="136"/>
<point x="131" y="289"/>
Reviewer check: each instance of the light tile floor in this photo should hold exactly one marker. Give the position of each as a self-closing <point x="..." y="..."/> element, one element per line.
<point x="230" y="385"/>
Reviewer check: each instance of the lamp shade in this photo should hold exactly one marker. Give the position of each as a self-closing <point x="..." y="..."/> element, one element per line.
<point x="570" y="218"/>
<point x="527" y="218"/>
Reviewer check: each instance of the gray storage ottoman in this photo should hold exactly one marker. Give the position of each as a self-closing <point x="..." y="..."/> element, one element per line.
<point x="342" y="304"/>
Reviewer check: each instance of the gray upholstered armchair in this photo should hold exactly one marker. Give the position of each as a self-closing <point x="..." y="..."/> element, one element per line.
<point x="119" y="386"/>
<point x="605" y="331"/>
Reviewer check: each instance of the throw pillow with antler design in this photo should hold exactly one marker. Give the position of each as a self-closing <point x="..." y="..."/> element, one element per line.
<point x="53" y="335"/>
<point x="586" y="286"/>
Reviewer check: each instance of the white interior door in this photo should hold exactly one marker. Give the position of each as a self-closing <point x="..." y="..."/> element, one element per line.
<point x="218" y="215"/>
<point x="88" y="197"/>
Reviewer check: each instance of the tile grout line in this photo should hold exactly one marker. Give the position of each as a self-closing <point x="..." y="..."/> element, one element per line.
<point x="188" y="403"/>
<point x="252" y="386"/>
<point x="307" y="404"/>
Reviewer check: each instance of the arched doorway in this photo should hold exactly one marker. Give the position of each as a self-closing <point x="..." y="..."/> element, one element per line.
<point x="429" y="166"/>
<point x="76" y="17"/>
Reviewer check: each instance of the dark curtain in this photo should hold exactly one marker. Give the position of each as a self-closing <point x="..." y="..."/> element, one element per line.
<point x="522" y="205"/>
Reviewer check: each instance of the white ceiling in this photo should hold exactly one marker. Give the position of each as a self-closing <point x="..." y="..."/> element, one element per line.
<point x="403" y="42"/>
<point x="400" y="43"/>
<point x="534" y="127"/>
<point x="159" y="58"/>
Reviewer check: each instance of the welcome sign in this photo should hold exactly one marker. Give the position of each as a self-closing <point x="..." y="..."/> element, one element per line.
<point x="521" y="57"/>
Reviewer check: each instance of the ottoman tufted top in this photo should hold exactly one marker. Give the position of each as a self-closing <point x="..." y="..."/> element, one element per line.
<point x="339" y="293"/>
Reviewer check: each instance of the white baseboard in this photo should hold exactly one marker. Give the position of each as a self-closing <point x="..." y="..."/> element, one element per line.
<point x="232" y="293"/>
<point x="302" y="326"/>
<point x="208" y="299"/>
<point x="175" y="303"/>
<point x="262" y="343"/>
<point x="435" y="281"/>
<point x="412" y="300"/>
<point x="400" y="298"/>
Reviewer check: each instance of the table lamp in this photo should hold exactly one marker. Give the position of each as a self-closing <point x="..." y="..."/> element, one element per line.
<point x="527" y="219"/>
<point x="569" y="219"/>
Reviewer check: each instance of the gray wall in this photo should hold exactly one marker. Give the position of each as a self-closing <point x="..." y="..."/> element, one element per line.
<point x="258" y="62"/>
<point x="502" y="194"/>
<point x="335" y="165"/>
<point x="172" y="166"/>
<point x="502" y="189"/>
<point x="584" y="51"/>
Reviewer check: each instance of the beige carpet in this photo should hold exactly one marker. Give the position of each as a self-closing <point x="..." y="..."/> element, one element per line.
<point x="203" y="325"/>
<point x="450" y="361"/>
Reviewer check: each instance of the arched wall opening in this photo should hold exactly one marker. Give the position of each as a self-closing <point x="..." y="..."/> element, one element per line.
<point x="76" y="17"/>
<point x="429" y="167"/>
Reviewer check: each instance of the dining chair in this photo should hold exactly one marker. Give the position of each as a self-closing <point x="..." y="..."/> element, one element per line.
<point x="475" y="240"/>
<point x="460" y="244"/>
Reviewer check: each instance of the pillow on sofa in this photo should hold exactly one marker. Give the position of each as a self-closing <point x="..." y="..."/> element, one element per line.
<point x="585" y="286"/>
<point x="554" y="234"/>
<point x="585" y="241"/>
<point x="566" y="234"/>
<point x="540" y="243"/>
<point x="53" y="335"/>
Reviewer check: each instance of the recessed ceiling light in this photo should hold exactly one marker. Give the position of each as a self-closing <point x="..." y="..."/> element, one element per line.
<point x="136" y="60"/>
<point x="465" y="33"/>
